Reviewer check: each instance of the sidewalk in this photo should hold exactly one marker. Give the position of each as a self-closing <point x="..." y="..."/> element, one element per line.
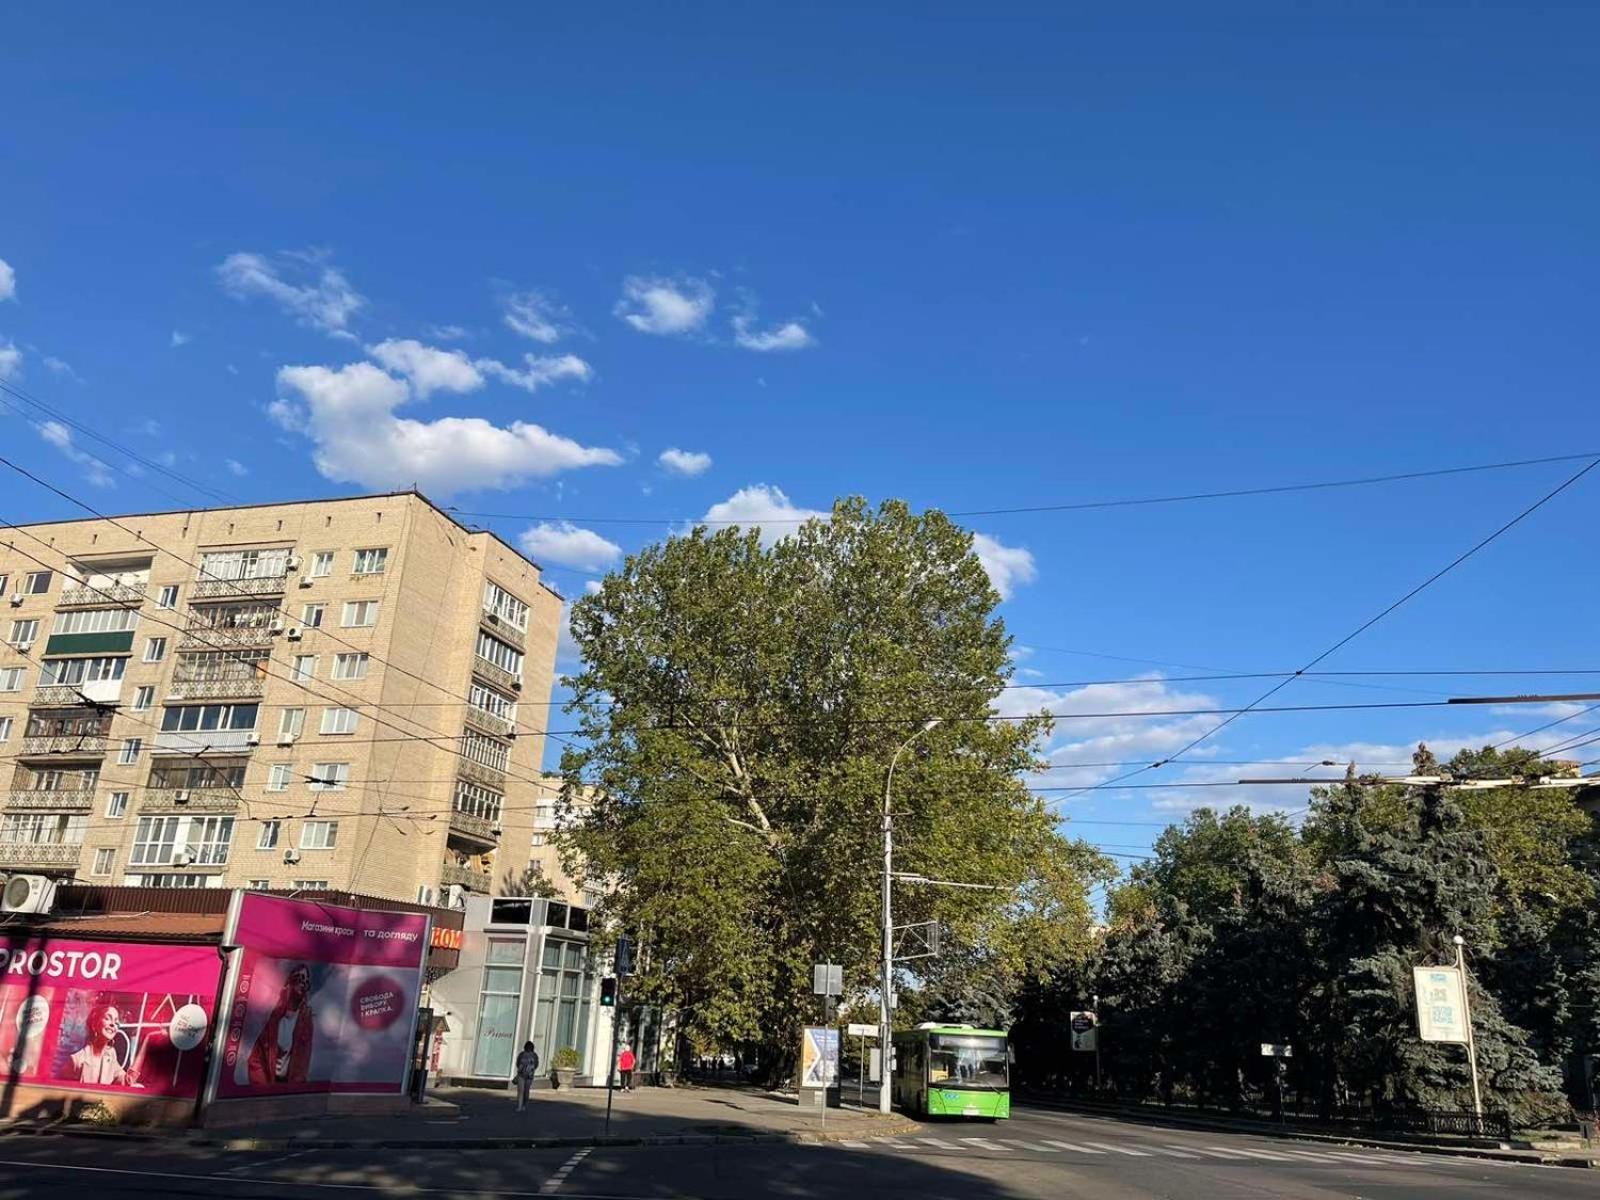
<point x="475" y="1118"/>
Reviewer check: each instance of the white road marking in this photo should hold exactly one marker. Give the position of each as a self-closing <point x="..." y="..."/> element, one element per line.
<point x="939" y="1143"/>
<point x="892" y="1144"/>
<point x="555" y="1181"/>
<point x="1306" y="1154"/>
<point x="1070" y="1146"/>
<point x="981" y="1143"/>
<point x="854" y="1145"/>
<point x="1171" y="1153"/>
<point x="1215" y="1151"/>
<point x="1269" y="1155"/>
<point x="271" y="1162"/>
<point x="1031" y="1147"/>
<point x="1120" y="1150"/>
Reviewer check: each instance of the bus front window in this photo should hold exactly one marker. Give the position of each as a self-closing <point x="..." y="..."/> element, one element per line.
<point x="967" y="1061"/>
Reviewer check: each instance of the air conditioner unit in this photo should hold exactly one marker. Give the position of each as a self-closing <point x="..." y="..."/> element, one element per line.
<point x="27" y="894"/>
<point x="294" y="633"/>
<point x="16" y="599"/>
<point x="252" y="739"/>
<point x="496" y="831"/>
<point x="292" y="562"/>
<point x="492" y="618"/>
<point x="24" y="647"/>
<point x="180" y="797"/>
<point x="455" y="896"/>
<point x="287" y="739"/>
<point x="291" y="856"/>
<point x="516" y="685"/>
<point x="277" y="627"/>
<point x="424" y="894"/>
<point x="305" y="581"/>
<point x="184" y="859"/>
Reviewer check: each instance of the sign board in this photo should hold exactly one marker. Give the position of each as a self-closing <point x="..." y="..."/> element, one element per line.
<point x="1276" y="1050"/>
<point x="819" y="1057"/>
<point x="862" y="1030"/>
<point x="1085" y="1034"/>
<point x="1441" y="1004"/>
<point x="827" y="979"/>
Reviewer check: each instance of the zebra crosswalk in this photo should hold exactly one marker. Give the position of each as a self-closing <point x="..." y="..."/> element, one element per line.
<point x="1193" y="1154"/>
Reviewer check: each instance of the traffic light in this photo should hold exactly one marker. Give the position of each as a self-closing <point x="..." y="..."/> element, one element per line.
<point x="608" y="992"/>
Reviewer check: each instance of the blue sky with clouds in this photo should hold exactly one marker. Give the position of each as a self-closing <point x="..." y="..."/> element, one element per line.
<point x="662" y="262"/>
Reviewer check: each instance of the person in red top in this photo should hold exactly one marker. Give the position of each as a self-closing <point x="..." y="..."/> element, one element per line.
<point x="625" y="1064"/>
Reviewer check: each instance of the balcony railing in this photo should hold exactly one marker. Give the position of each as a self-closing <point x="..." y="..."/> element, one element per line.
<point x="200" y="636"/>
<point x="199" y="800"/>
<point x="215" y="689"/>
<point x="207" y="741"/>
<point x="498" y="676"/>
<point x="53" y="694"/>
<point x="478" y="828"/>
<point x="486" y="722"/>
<point x="82" y="595"/>
<point x="86" y="745"/>
<point x="52" y="799"/>
<point x="504" y="630"/>
<point x="478" y="773"/>
<point x="473" y="881"/>
<point x="40" y="854"/>
<point x="260" y="585"/>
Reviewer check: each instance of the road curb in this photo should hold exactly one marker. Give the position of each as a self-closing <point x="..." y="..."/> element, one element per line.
<point x="1542" y="1158"/>
<point x="894" y="1128"/>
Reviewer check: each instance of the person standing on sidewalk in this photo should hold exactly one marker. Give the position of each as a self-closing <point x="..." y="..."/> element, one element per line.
<point x="527" y="1069"/>
<point x="625" y="1064"/>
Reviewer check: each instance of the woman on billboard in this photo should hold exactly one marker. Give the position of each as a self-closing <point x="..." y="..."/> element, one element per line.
<point x="282" y="1053"/>
<point x="98" y="1061"/>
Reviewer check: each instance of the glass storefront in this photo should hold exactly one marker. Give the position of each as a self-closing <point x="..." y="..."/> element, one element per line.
<point x="561" y="1016"/>
<point x="498" y="1002"/>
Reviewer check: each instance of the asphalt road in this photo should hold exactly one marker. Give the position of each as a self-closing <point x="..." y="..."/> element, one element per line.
<point x="1038" y="1155"/>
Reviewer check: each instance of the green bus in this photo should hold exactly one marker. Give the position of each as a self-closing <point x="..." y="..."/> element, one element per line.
<point x="952" y="1071"/>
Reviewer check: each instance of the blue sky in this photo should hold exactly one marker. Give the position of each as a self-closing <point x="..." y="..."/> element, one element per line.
<point x="1033" y="255"/>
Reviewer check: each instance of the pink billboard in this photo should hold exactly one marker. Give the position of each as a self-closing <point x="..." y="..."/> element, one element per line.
<point x="106" y="1016"/>
<point x="325" y="998"/>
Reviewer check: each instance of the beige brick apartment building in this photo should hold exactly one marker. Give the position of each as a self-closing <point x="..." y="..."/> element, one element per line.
<point x="334" y="693"/>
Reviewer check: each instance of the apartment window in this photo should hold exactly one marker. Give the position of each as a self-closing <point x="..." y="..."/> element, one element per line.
<point x="319" y="835"/>
<point x="36" y="583"/>
<point x="117" y="805"/>
<point x="245" y="564"/>
<point x="322" y="564"/>
<point x="5" y="728"/>
<point x="204" y="718"/>
<point x="493" y="650"/>
<point x="291" y="722"/>
<point x="486" y="751"/>
<point x="259" y="885"/>
<point x="210" y="839"/>
<point x="540" y="839"/>
<point x="4" y="579"/>
<point x="330" y="777"/>
<point x="279" y="776"/>
<point x="130" y="751"/>
<point x="154" y="841"/>
<point x="103" y="858"/>
<point x="340" y="720"/>
<point x="155" y="649"/>
<point x="73" y="671"/>
<point x="44" y="829"/>
<point x="170" y="880"/>
<point x="305" y="668"/>
<point x="311" y="615"/>
<point x="267" y="839"/>
<point x="144" y="699"/>
<point x="498" y="602"/>
<point x="168" y="597"/>
<point x="350" y="666"/>
<point x="492" y="702"/>
<point x="477" y="801"/>
<point x="371" y="562"/>
<point x="96" y="620"/>
<point x="24" y="633"/>
<point x="12" y="678"/>
<point x="310" y="885"/>
<point x="360" y="613"/>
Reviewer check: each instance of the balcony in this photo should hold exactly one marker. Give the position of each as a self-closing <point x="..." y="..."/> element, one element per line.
<point x="497" y="676"/>
<point x="82" y="595"/>
<point x="487" y="722"/>
<point x="49" y="855"/>
<point x="473" y="829"/>
<point x="478" y="773"/>
<point x="51" y="799"/>
<point x="207" y="741"/>
<point x="56" y="694"/>
<point x="195" y="800"/>
<point x="473" y="881"/>
<point x="200" y="635"/>
<point x="222" y="589"/>
<point x="63" y="745"/>
<point x="215" y="689"/>
<point x="504" y="630"/>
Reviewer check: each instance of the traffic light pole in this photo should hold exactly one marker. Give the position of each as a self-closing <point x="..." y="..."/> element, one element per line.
<point x="611" y="1059"/>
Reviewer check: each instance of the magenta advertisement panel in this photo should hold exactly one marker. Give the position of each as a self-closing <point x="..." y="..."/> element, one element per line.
<point x="324" y="1000"/>
<point x="106" y="1016"/>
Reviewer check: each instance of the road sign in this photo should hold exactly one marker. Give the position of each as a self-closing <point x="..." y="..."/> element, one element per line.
<point x="1441" y="1004"/>
<point x="1085" y="1035"/>
<point x="1276" y="1050"/>
<point x="861" y="1030"/>
<point x="827" y="979"/>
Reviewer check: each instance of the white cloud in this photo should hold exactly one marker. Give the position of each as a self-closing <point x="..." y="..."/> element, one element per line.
<point x="567" y="545"/>
<point x="236" y="468"/>
<point x="61" y="367"/>
<point x="761" y="506"/>
<point x="537" y="371"/>
<point x="567" y="654"/>
<point x="592" y="586"/>
<point x="10" y="360"/>
<point x="59" y="436"/>
<point x="537" y="315"/>
<point x="684" y="462"/>
<point x="653" y="304"/>
<point x="791" y="335"/>
<point x="1008" y="566"/>
<point x="323" y="299"/>
<point x="8" y="281"/>
<point x="179" y="338"/>
<point x="448" y="333"/>
<point x="429" y="370"/>
<point x="348" y="412"/>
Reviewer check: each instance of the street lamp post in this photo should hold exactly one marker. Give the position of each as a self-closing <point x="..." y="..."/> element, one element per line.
<point x="1466" y="1012"/>
<point x="886" y="983"/>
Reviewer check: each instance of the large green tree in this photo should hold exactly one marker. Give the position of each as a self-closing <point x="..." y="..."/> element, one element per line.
<point x="740" y="704"/>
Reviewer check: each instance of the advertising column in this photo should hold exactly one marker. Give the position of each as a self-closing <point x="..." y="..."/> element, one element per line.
<point x="324" y="1000"/>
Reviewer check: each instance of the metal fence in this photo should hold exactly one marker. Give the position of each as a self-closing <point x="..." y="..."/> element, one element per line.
<point x="1448" y="1122"/>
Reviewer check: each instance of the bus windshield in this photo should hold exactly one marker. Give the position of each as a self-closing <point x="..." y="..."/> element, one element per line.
<point x="967" y="1061"/>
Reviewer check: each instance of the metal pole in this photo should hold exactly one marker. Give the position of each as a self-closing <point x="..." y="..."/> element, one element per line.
<point x="1094" y="1006"/>
<point x="611" y="1063"/>
<point x="1466" y="1011"/>
<point x="861" y="1077"/>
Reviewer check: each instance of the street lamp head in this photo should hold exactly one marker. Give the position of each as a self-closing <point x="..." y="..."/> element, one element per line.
<point x="931" y="722"/>
<point x="1459" y="940"/>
